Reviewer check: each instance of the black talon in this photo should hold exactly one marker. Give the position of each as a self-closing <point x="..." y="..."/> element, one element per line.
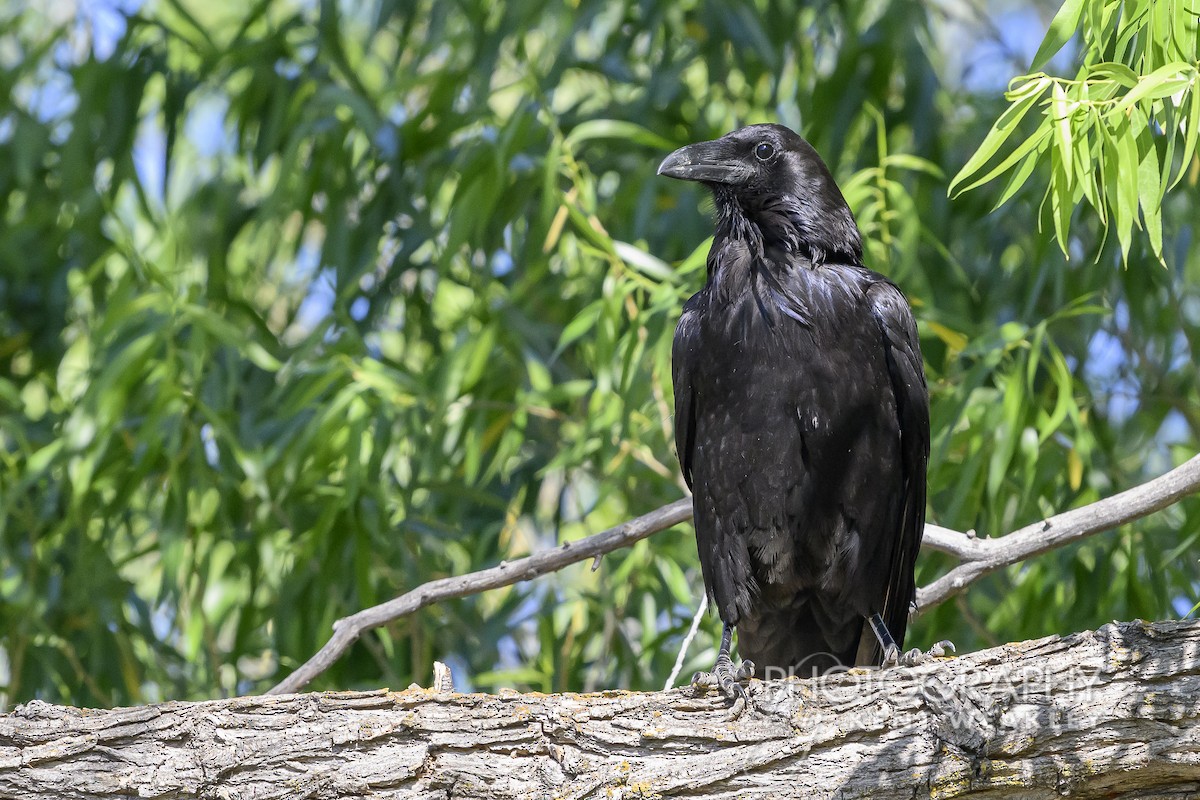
<point x="724" y="675"/>
<point x="892" y="656"/>
<point x="939" y="648"/>
<point x="916" y="656"/>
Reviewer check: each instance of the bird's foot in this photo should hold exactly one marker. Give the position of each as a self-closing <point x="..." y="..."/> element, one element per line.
<point x="725" y="677"/>
<point x="892" y="656"/>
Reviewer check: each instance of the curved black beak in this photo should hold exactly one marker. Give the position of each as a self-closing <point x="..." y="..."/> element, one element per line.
<point x="708" y="162"/>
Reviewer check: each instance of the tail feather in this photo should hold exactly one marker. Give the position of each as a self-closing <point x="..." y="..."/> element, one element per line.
<point x="802" y="640"/>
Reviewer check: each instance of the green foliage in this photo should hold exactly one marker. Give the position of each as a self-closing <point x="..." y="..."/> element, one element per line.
<point x="304" y="305"/>
<point x="1111" y="134"/>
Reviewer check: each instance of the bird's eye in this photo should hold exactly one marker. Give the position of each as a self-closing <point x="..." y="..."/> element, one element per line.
<point x="764" y="151"/>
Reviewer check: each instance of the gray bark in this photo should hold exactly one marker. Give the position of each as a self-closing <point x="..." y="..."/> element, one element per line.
<point x="1112" y="713"/>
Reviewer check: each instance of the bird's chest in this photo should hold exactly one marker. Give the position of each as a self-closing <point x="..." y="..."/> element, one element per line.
<point x="746" y="359"/>
<point x="801" y="353"/>
<point x="755" y="342"/>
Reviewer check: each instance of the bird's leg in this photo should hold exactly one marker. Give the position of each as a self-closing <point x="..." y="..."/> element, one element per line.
<point x="891" y="653"/>
<point x="723" y="675"/>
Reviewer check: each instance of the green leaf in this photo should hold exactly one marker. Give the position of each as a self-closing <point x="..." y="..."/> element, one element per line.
<point x="1060" y="117"/>
<point x="1061" y="205"/>
<point x="229" y="334"/>
<point x="583" y="323"/>
<point x="1008" y="433"/>
<point x="914" y="164"/>
<point x="38" y="463"/>
<point x="616" y="129"/>
<point x="1133" y="21"/>
<point x="1107" y="160"/>
<point x="483" y="347"/>
<point x="1062" y="28"/>
<point x="1004" y="128"/>
<point x="584" y="227"/>
<point x="1127" y="184"/>
<point x="1150" y="189"/>
<point x="1163" y="82"/>
<point x="1189" y="142"/>
<point x="1064" y="391"/>
<point x="645" y="263"/>
<point x="1021" y="174"/>
<point x="1121" y="74"/>
<point x="1035" y="142"/>
<point x="1087" y="176"/>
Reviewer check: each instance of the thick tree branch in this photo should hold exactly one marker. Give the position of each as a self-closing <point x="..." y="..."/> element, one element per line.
<point x="1114" y="713"/>
<point x="978" y="557"/>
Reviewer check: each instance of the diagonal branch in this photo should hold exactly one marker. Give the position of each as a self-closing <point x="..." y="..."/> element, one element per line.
<point x="347" y="630"/>
<point x="977" y="557"/>
<point x="983" y="556"/>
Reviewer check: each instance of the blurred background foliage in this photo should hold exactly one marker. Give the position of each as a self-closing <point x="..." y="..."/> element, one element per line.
<point x="305" y="303"/>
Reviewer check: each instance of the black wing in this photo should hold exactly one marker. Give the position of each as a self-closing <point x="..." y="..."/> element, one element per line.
<point x="683" y="354"/>
<point x="907" y="374"/>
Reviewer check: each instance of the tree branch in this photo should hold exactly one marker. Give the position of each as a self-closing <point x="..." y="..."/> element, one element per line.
<point x="983" y="556"/>
<point x="978" y="557"/>
<point x="947" y="540"/>
<point x="1091" y="715"/>
<point x="347" y="630"/>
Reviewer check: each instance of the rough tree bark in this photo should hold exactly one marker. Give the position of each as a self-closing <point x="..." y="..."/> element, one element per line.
<point x="1113" y="713"/>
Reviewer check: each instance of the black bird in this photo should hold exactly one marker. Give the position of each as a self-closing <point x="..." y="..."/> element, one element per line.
<point x="801" y="417"/>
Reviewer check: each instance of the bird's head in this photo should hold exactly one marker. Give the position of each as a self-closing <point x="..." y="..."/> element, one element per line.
<point x="768" y="176"/>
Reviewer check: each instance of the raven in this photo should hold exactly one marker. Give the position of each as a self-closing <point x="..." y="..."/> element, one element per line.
<point x="801" y="417"/>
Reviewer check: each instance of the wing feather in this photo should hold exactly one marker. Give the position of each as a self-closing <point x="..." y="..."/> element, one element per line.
<point x="683" y="359"/>
<point x="907" y="374"/>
